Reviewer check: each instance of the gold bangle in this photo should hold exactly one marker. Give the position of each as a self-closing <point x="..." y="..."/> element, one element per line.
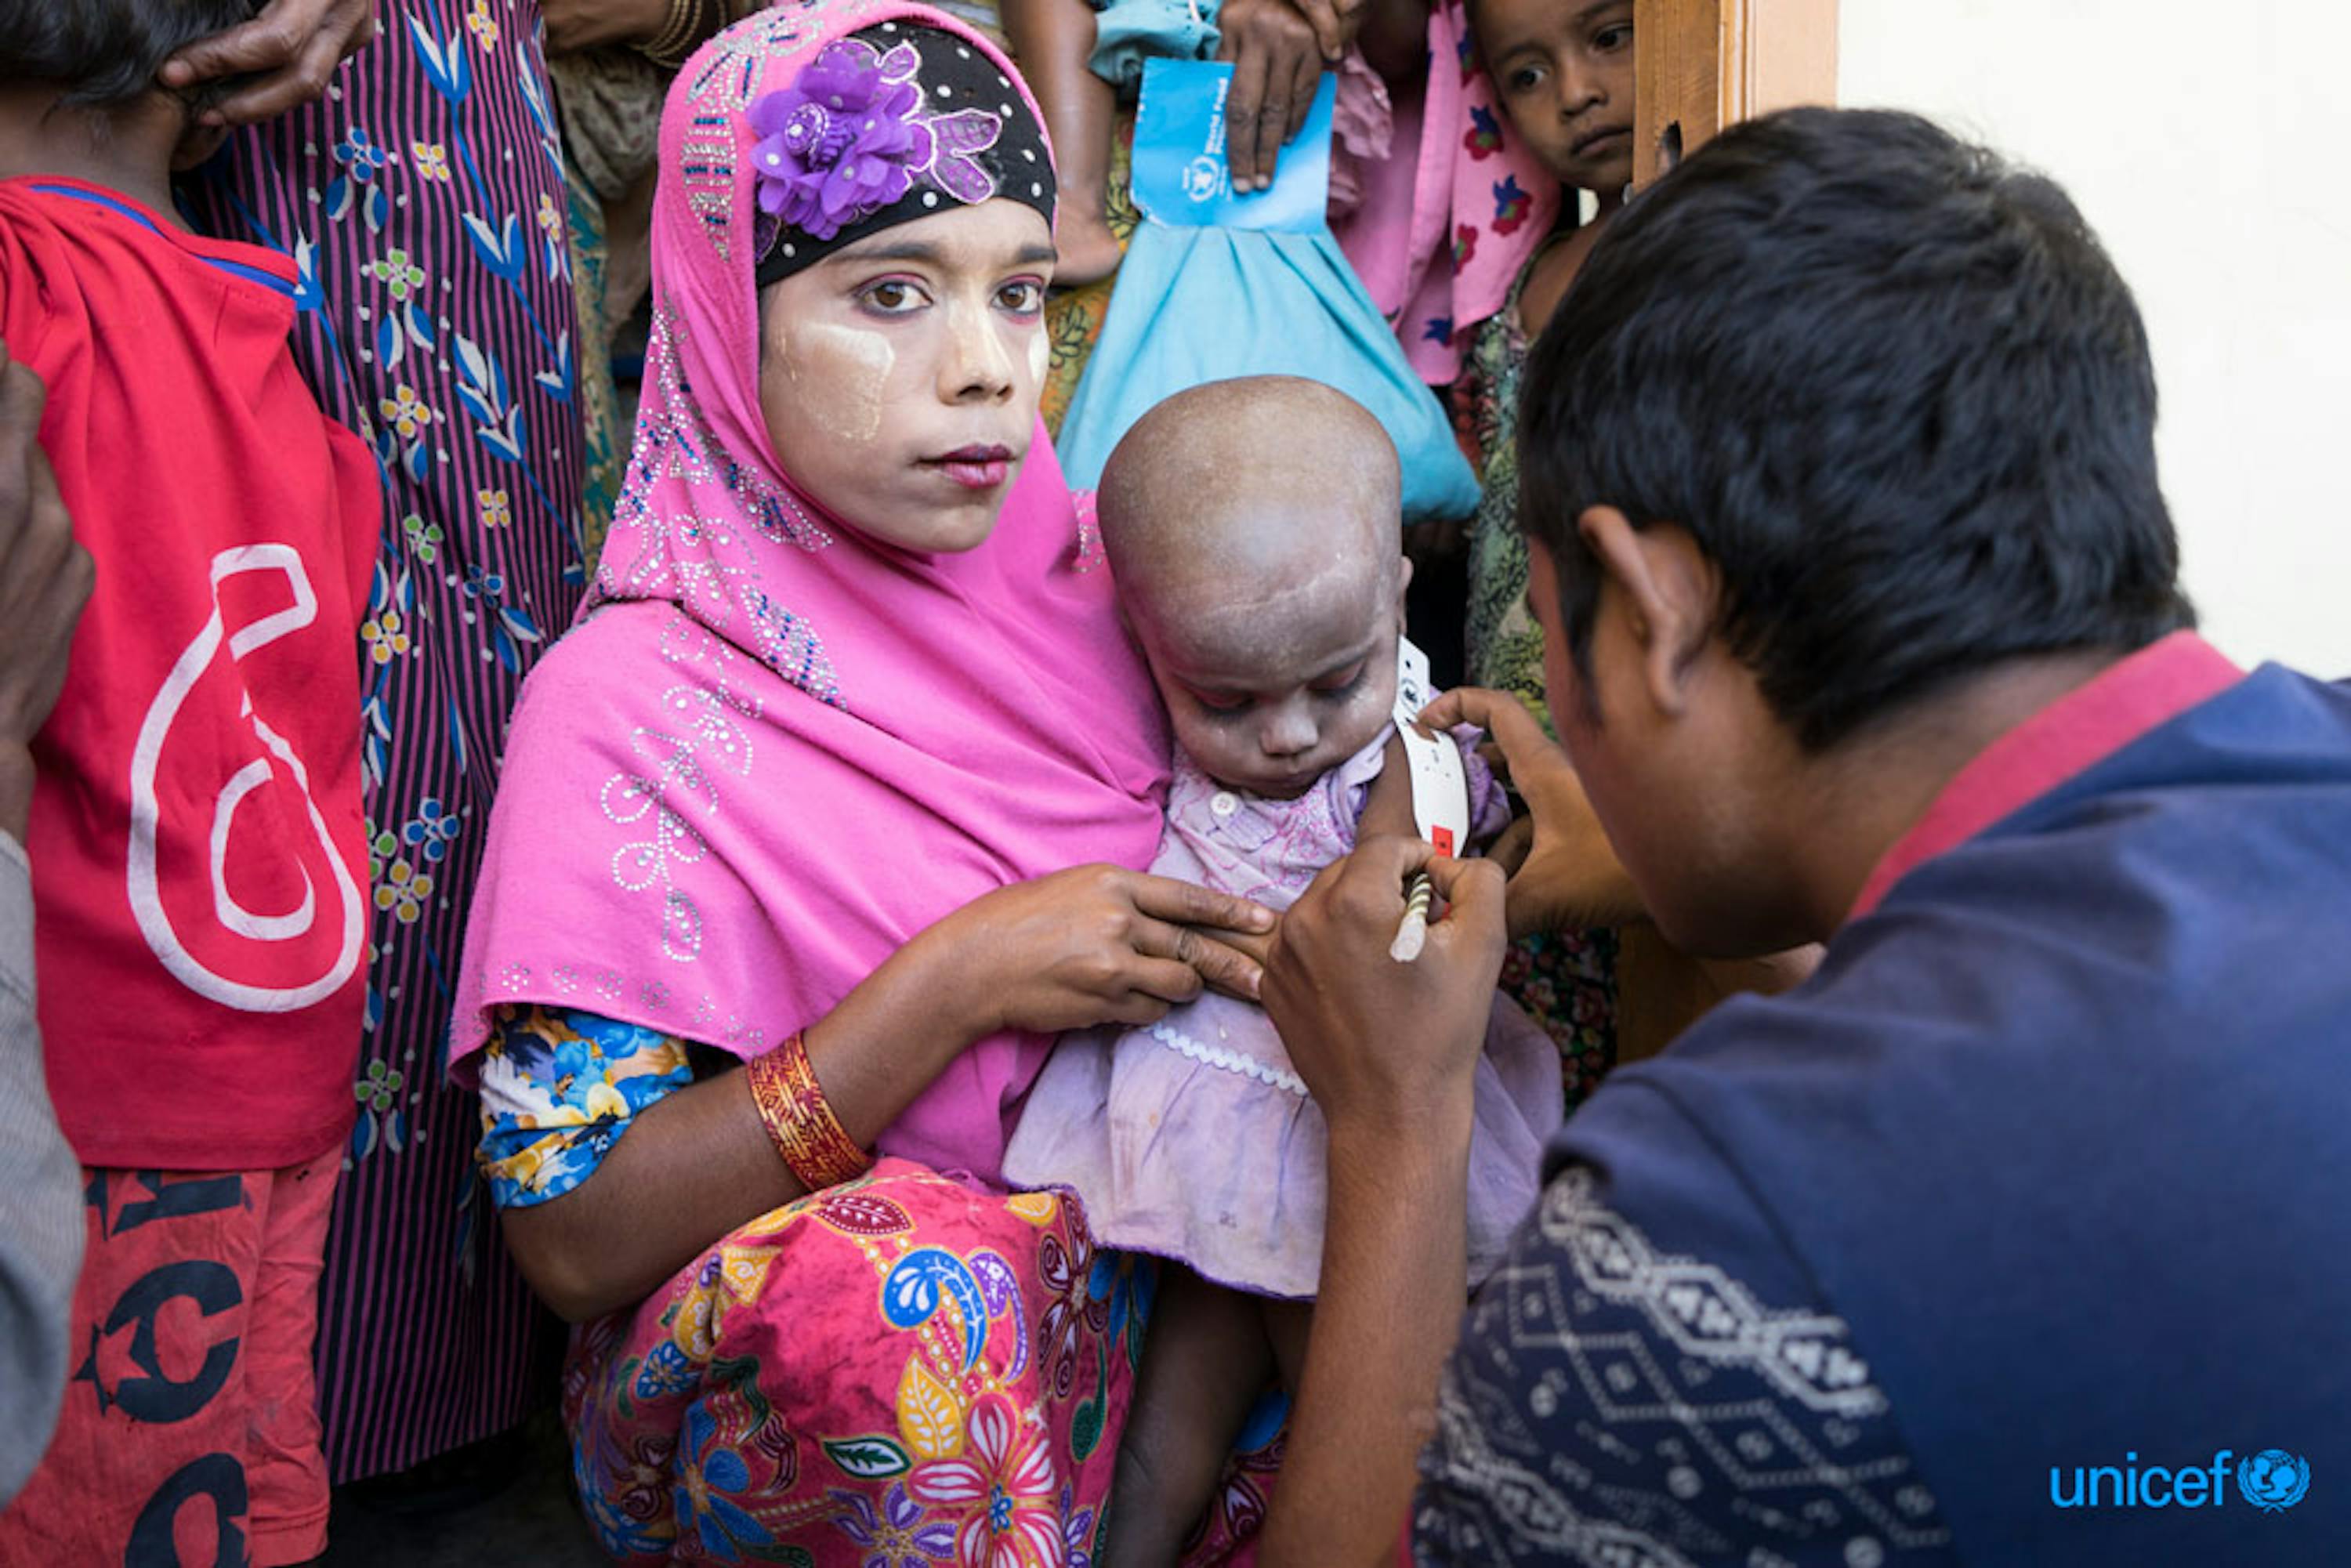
<point x="682" y="29"/>
<point x="664" y="38"/>
<point x="800" y="1120"/>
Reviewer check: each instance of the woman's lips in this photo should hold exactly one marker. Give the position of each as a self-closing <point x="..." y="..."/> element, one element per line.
<point x="975" y="468"/>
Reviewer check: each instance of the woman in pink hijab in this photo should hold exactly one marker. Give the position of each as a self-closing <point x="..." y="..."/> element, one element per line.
<point x="776" y="925"/>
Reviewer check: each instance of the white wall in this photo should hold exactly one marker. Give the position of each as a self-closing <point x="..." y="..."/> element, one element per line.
<point x="2209" y="145"/>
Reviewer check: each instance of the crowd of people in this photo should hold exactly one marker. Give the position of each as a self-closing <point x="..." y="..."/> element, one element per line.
<point x="901" y="956"/>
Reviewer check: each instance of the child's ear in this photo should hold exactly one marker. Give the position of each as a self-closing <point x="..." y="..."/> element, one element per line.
<point x="1403" y="581"/>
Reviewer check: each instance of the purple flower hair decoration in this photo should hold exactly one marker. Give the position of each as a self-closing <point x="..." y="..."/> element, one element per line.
<point x="849" y="137"/>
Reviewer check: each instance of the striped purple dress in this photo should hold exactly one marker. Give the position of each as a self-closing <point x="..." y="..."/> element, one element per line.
<point x="422" y="201"/>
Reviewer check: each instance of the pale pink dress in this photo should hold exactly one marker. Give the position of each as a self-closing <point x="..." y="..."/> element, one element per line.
<point x="1193" y="1138"/>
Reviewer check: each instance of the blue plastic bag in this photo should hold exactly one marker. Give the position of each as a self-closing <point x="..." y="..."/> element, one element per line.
<point x="1216" y="285"/>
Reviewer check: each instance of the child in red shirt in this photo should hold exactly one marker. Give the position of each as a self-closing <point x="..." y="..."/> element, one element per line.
<point x="196" y="838"/>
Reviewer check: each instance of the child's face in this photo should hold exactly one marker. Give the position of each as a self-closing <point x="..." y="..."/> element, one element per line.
<point x="1269" y="689"/>
<point x="1564" y="73"/>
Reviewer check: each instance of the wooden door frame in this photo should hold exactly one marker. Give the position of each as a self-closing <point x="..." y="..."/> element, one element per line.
<point x="1701" y="65"/>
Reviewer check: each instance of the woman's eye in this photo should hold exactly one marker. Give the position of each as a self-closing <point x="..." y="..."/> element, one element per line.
<point x="1024" y="298"/>
<point x="891" y="297"/>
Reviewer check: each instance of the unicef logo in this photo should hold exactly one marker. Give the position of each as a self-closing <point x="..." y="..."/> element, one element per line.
<point x="2272" y="1480"/>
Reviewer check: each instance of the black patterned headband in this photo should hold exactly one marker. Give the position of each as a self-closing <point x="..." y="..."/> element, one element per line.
<point x="878" y="130"/>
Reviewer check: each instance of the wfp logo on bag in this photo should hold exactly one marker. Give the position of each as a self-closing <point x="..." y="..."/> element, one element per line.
<point x="1181" y="177"/>
<point x="2272" y="1480"/>
<point x="1204" y="178"/>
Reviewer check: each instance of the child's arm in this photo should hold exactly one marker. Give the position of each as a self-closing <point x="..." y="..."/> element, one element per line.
<point x="1054" y="42"/>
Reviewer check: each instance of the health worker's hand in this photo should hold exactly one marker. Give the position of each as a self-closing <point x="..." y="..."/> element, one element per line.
<point x="1569" y="876"/>
<point x="1386" y="1046"/>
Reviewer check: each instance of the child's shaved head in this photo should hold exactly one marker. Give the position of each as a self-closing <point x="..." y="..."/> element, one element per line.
<point x="1241" y="489"/>
<point x="1253" y="528"/>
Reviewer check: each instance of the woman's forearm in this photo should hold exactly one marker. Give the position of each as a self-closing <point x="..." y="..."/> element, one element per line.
<point x="699" y="1163"/>
<point x="691" y="1167"/>
<point x="1394" y="1263"/>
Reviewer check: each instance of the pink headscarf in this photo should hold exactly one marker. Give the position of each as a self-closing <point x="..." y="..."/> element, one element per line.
<point x="772" y="750"/>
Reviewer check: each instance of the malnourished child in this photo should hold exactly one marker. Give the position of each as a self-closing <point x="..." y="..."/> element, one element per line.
<point x="1252" y="528"/>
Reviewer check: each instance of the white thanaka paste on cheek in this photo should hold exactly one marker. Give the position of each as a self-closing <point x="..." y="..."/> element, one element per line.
<point x="1040" y="356"/>
<point x="852" y="378"/>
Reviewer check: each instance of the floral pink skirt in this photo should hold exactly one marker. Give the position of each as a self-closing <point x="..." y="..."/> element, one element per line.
<point x="907" y="1370"/>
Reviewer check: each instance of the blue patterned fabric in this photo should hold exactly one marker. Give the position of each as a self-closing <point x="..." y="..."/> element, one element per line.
<point x="1675" y="1394"/>
<point x="422" y="201"/>
<point x="2038" y="1182"/>
<point x="559" y="1088"/>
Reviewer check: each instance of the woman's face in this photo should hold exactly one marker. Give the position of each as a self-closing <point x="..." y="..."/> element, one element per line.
<point x="900" y="375"/>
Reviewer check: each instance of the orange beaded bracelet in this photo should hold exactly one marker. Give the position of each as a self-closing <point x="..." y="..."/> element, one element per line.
<point x="791" y="1103"/>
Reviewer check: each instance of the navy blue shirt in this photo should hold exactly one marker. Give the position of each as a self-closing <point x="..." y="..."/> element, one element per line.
<point x="2019" y="1235"/>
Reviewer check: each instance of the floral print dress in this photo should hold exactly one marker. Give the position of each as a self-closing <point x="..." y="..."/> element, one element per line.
<point x="909" y="1369"/>
<point x="422" y="201"/>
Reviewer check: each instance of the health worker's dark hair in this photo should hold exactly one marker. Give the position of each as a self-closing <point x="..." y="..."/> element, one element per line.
<point x="105" y="53"/>
<point x="1892" y="387"/>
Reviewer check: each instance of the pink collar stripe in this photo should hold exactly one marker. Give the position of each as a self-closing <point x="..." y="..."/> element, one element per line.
<point x="2072" y="735"/>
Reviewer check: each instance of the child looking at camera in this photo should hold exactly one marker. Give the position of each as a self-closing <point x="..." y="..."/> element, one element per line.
<point x="1563" y="74"/>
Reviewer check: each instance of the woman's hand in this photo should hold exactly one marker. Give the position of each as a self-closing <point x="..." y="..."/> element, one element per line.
<point x="1094" y="944"/>
<point x="1569" y="876"/>
<point x="291" y="50"/>
<point x="1381" y="1043"/>
<point x="1277" y="66"/>
<point x="575" y="24"/>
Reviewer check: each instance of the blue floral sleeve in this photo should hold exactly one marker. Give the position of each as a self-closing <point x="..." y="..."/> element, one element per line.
<point x="559" y="1088"/>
